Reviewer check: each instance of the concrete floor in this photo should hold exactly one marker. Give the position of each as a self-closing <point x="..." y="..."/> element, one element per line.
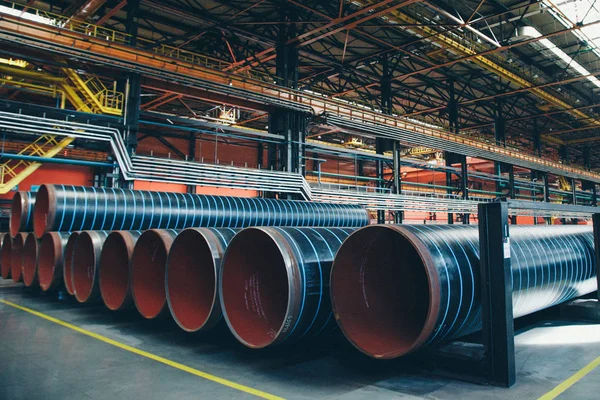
<point x="43" y="360"/>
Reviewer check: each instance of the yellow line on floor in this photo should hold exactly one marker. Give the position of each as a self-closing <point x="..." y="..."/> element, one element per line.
<point x="151" y="356"/>
<point x="557" y="391"/>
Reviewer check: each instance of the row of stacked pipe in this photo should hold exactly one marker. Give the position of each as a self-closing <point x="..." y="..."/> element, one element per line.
<point x="278" y="271"/>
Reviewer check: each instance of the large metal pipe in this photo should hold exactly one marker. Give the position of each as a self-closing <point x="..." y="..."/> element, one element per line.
<point x="5" y="256"/>
<point x="192" y="276"/>
<point x="21" y="212"/>
<point x="147" y="271"/>
<point x="67" y="208"/>
<point x="274" y="283"/>
<point x="31" y="252"/>
<point x="51" y="259"/>
<point x="397" y="288"/>
<point x="114" y="269"/>
<point x="68" y="263"/>
<point x="16" y="257"/>
<point x="85" y="267"/>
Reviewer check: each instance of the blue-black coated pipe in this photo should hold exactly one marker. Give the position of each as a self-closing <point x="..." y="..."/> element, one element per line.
<point x="192" y="277"/>
<point x="395" y="289"/>
<point x="275" y="283"/>
<point x="21" y="212"/>
<point x="72" y="208"/>
<point x="114" y="269"/>
<point x="85" y="265"/>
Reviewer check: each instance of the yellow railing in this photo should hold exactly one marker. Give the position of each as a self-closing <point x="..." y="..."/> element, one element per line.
<point x="13" y="172"/>
<point x="98" y="98"/>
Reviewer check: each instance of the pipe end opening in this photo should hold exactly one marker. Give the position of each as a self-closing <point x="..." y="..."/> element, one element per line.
<point x="380" y="292"/>
<point x="255" y="288"/>
<point x="114" y="270"/>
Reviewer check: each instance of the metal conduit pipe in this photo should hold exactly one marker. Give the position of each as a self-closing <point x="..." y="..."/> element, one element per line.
<point x="5" y="256"/>
<point x="51" y="259"/>
<point x="275" y="283"/>
<point x="114" y="269"/>
<point x="192" y="277"/>
<point x="147" y="272"/>
<point x="67" y="208"/>
<point x="21" y="212"/>
<point x="16" y="257"/>
<point x="68" y="263"/>
<point x="397" y="288"/>
<point x="31" y="252"/>
<point x="86" y="262"/>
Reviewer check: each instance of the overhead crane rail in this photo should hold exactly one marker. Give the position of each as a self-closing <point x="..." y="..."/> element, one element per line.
<point x="100" y="49"/>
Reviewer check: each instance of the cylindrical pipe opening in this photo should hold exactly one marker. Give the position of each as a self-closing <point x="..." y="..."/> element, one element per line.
<point x="18" y="212"/>
<point x="30" y="260"/>
<point x="86" y="256"/>
<point x="68" y="263"/>
<point x="44" y="210"/>
<point x="148" y="272"/>
<point x="50" y="260"/>
<point x="382" y="295"/>
<point x="192" y="281"/>
<point x="114" y="269"/>
<point x="16" y="257"/>
<point x="254" y="288"/>
<point x="6" y="256"/>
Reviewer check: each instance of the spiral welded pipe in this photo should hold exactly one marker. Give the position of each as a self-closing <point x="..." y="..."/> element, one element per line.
<point x="51" y="259"/>
<point x="31" y="252"/>
<point x="68" y="208"/>
<point x="397" y="288"/>
<point x="85" y="267"/>
<point x="16" y="257"/>
<point x="21" y="212"/>
<point x="275" y="283"/>
<point x="68" y="262"/>
<point x="192" y="275"/>
<point x="147" y="272"/>
<point x="5" y="249"/>
<point x="114" y="269"/>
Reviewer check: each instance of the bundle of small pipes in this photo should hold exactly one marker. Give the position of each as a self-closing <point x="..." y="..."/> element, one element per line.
<point x="278" y="271"/>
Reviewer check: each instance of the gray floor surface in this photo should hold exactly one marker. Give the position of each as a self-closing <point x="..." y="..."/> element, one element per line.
<point x="43" y="360"/>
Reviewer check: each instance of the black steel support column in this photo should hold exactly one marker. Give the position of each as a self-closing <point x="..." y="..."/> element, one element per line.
<point x="464" y="184"/>
<point x="379" y="148"/>
<point x="292" y="125"/>
<point x="594" y="195"/>
<point x="546" y="188"/>
<point x="260" y="155"/>
<point x="453" y="108"/>
<point x="398" y="215"/>
<point x="191" y="157"/>
<point x="512" y="193"/>
<point x="500" y="136"/>
<point x="496" y="294"/>
<point x="133" y="88"/>
<point x="596" y="221"/>
<point x="448" y="159"/>
<point x="573" y="192"/>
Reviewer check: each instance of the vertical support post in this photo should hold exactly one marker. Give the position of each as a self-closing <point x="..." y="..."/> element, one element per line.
<point x="398" y="215"/>
<point x="537" y="139"/>
<point x="448" y="159"/>
<point x="496" y="294"/>
<point x="260" y="155"/>
<point x="191" y="157"/>
<point x="573" y="192"/>
<point x="379" y="168"/>
<point x="594" y="195"/>
<point x="596" y="220"/>
<point x="464" y="185"/>
<point x="546" y="188"/>
<point x="512" y="193"/>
